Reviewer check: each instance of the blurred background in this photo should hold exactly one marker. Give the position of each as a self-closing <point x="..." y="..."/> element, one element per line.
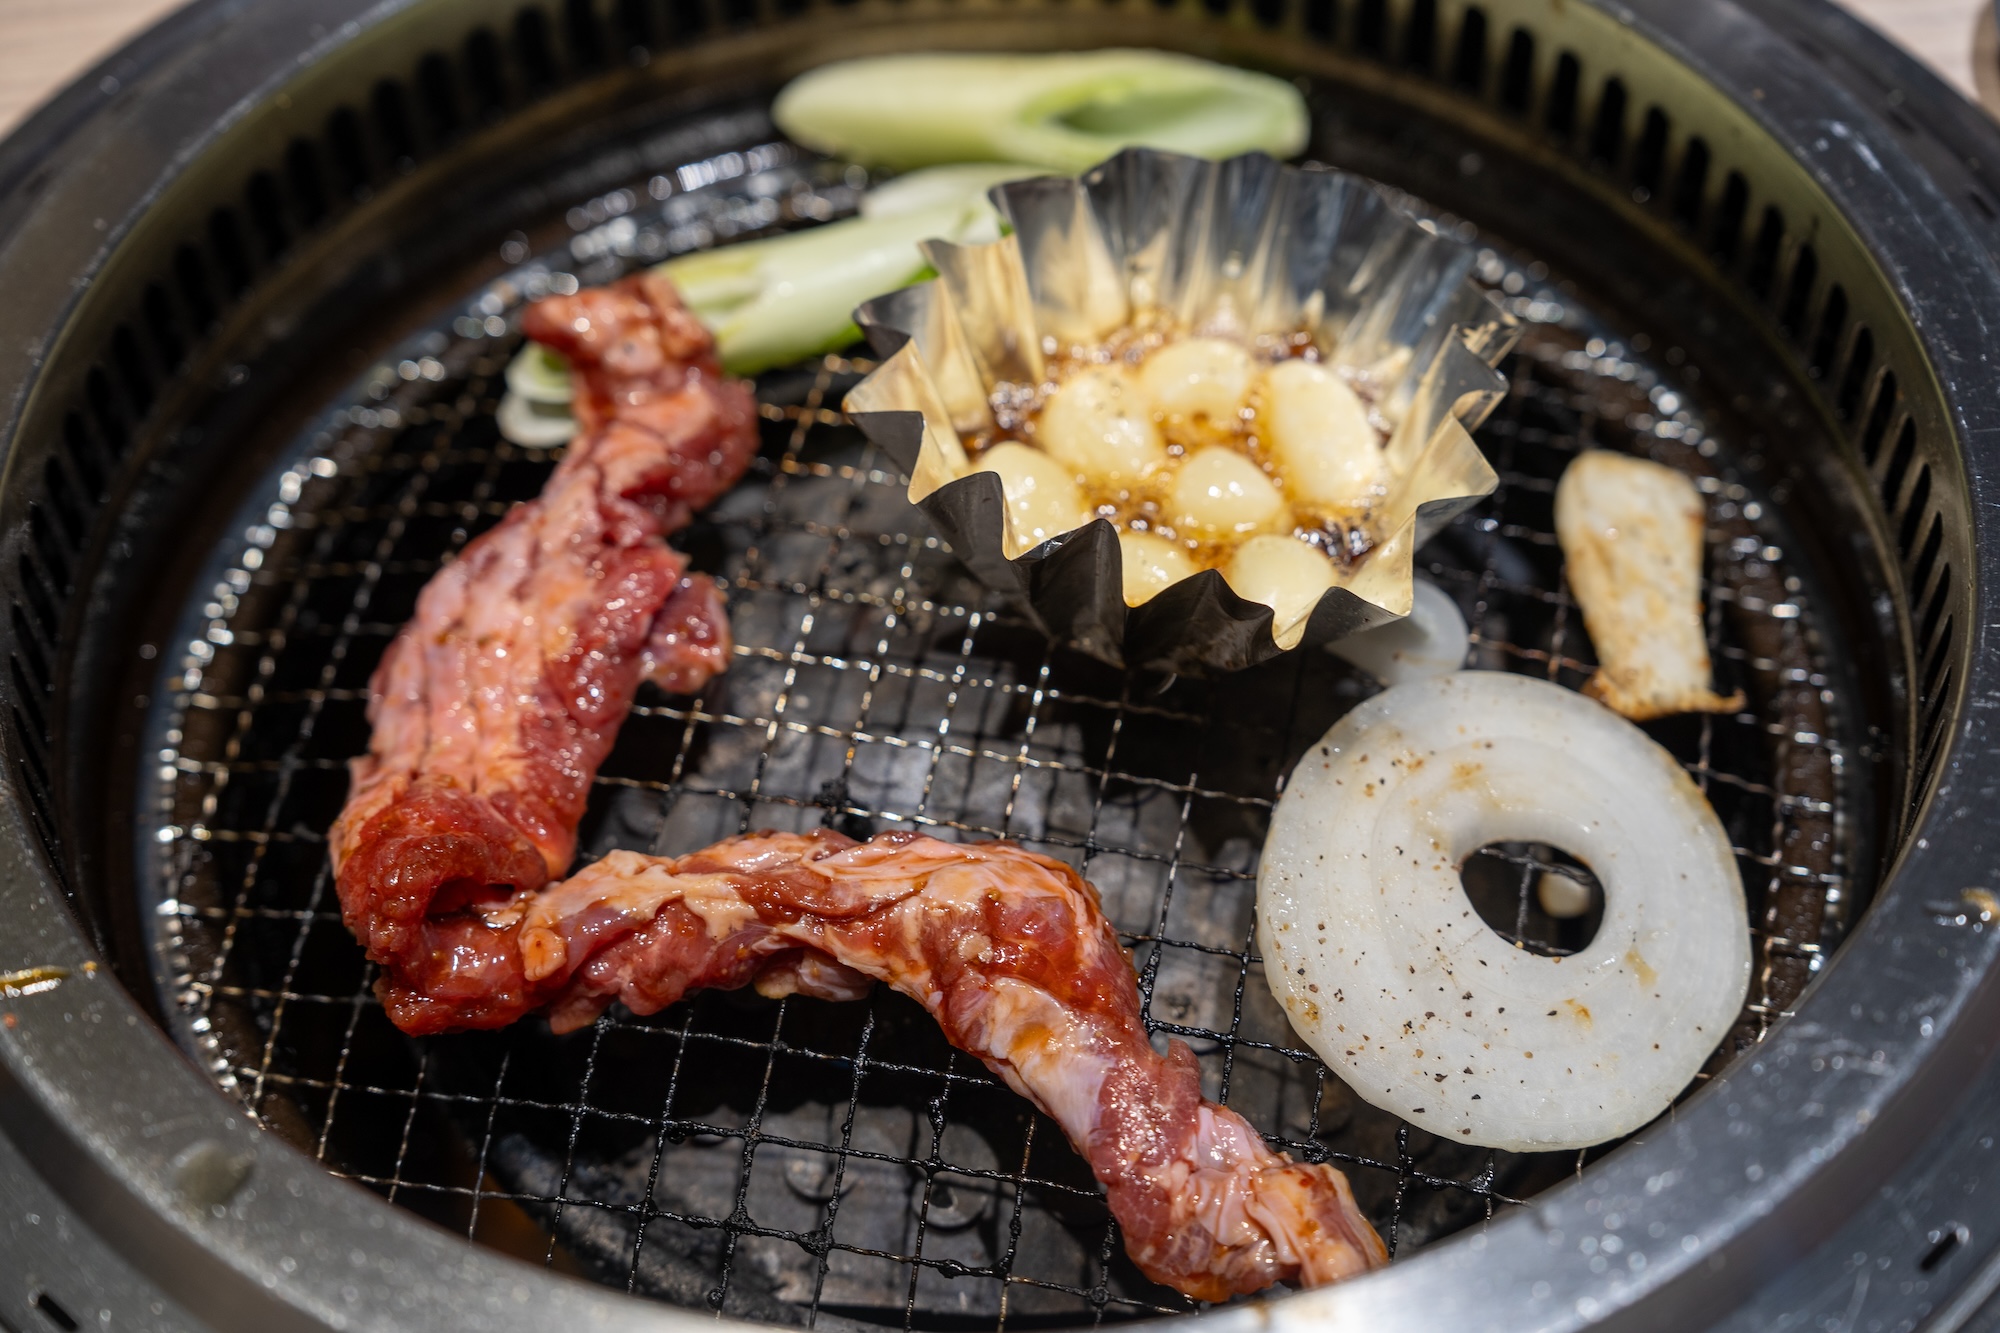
<point x="46" y="43"/>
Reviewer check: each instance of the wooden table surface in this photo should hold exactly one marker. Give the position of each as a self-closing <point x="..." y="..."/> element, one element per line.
<point x="46" y="43"/>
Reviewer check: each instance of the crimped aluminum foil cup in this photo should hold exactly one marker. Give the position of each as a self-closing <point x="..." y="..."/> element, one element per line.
<point x="1247" y="248"/>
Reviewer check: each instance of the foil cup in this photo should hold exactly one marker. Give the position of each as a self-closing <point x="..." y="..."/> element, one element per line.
<point x="1244" y="248"/>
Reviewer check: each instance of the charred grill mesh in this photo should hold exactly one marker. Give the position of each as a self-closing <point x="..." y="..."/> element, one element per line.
<point x="794" y="1160"/>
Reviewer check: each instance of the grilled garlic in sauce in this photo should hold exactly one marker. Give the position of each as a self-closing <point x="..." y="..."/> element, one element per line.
<point x="1318" y="434"/>
<point x="1263" y="463"/>
<point x="1043" y="499"/>
<point x="1099" y="424"/>
<point x="1152" y="564"/>
<point x="1285" y="574"/>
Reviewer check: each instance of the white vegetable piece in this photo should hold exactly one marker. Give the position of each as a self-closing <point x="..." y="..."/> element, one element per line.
<point x="1286" y="575"/>
<point x="1430" y="641"/>
<point x="1152" y="565"/>
<point x="1631" y="534"/>
<point x="1387" y="971"/>
<point x="536" y="425"/>
<point x="1318" y="433"/>
<point x="1220" y="493"/>
<point x="539" y="375"/>
<point x="1560" y="896"/>
<point x="1043" y="500"/>
<point x="1199" y="377"/>
<point x="1098" y="425"/>
<point x="961" y="183"/>
<point x="535" y="409"/>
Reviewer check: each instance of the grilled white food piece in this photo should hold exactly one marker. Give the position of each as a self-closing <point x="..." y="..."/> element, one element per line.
<point x="1431" y="641"/>
<point x="1152" y="564"/>
<point x="1042" y="499"/>
<point x="1318" y="432"/>
<point x="1284" y="574"/>
<point x="1385" y="969"/>
<point x="1631" y="534"/>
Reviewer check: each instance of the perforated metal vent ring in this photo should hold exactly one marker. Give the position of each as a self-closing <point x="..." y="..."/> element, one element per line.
<point x="1770" y="247"/>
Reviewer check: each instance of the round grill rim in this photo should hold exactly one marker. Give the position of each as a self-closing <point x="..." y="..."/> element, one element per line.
<point x="78" y="1086"/>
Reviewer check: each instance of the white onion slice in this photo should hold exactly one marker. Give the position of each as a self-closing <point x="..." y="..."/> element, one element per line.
<point x="1386" y="970"/>
<point x="1430" y="641"/>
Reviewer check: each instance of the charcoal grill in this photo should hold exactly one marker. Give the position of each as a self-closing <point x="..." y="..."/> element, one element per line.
<point x="266" y="265"/>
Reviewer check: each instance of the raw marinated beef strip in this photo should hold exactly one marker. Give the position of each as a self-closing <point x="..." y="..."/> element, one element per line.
<point x="1008" y="950"/>
<point x="495" y="705"/>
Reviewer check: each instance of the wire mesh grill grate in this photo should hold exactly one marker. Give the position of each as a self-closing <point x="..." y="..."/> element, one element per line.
<point x="839" y="1164"/>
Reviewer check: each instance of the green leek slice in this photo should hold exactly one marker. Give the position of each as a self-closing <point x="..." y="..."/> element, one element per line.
<point x="773" y="301"/>
<point x="780" y="299"/>
<point x="539" y="375"/>
<point x="1062" y="110"/>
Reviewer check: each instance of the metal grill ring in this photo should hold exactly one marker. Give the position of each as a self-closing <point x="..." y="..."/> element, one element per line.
<point x="803" y="1162"/>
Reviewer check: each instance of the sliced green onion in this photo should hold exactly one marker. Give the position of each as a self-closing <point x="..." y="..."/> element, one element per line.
<point x="777" y="300"/>
<point x="773" y="301"/>
<point x="1062" y="110"/>
<point x="538" y="425"/>
<point x="539" y="375"/>
<point x="961" y="182"/>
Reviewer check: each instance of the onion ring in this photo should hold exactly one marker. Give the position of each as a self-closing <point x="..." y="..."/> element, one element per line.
<point x="1385" y="969"/>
